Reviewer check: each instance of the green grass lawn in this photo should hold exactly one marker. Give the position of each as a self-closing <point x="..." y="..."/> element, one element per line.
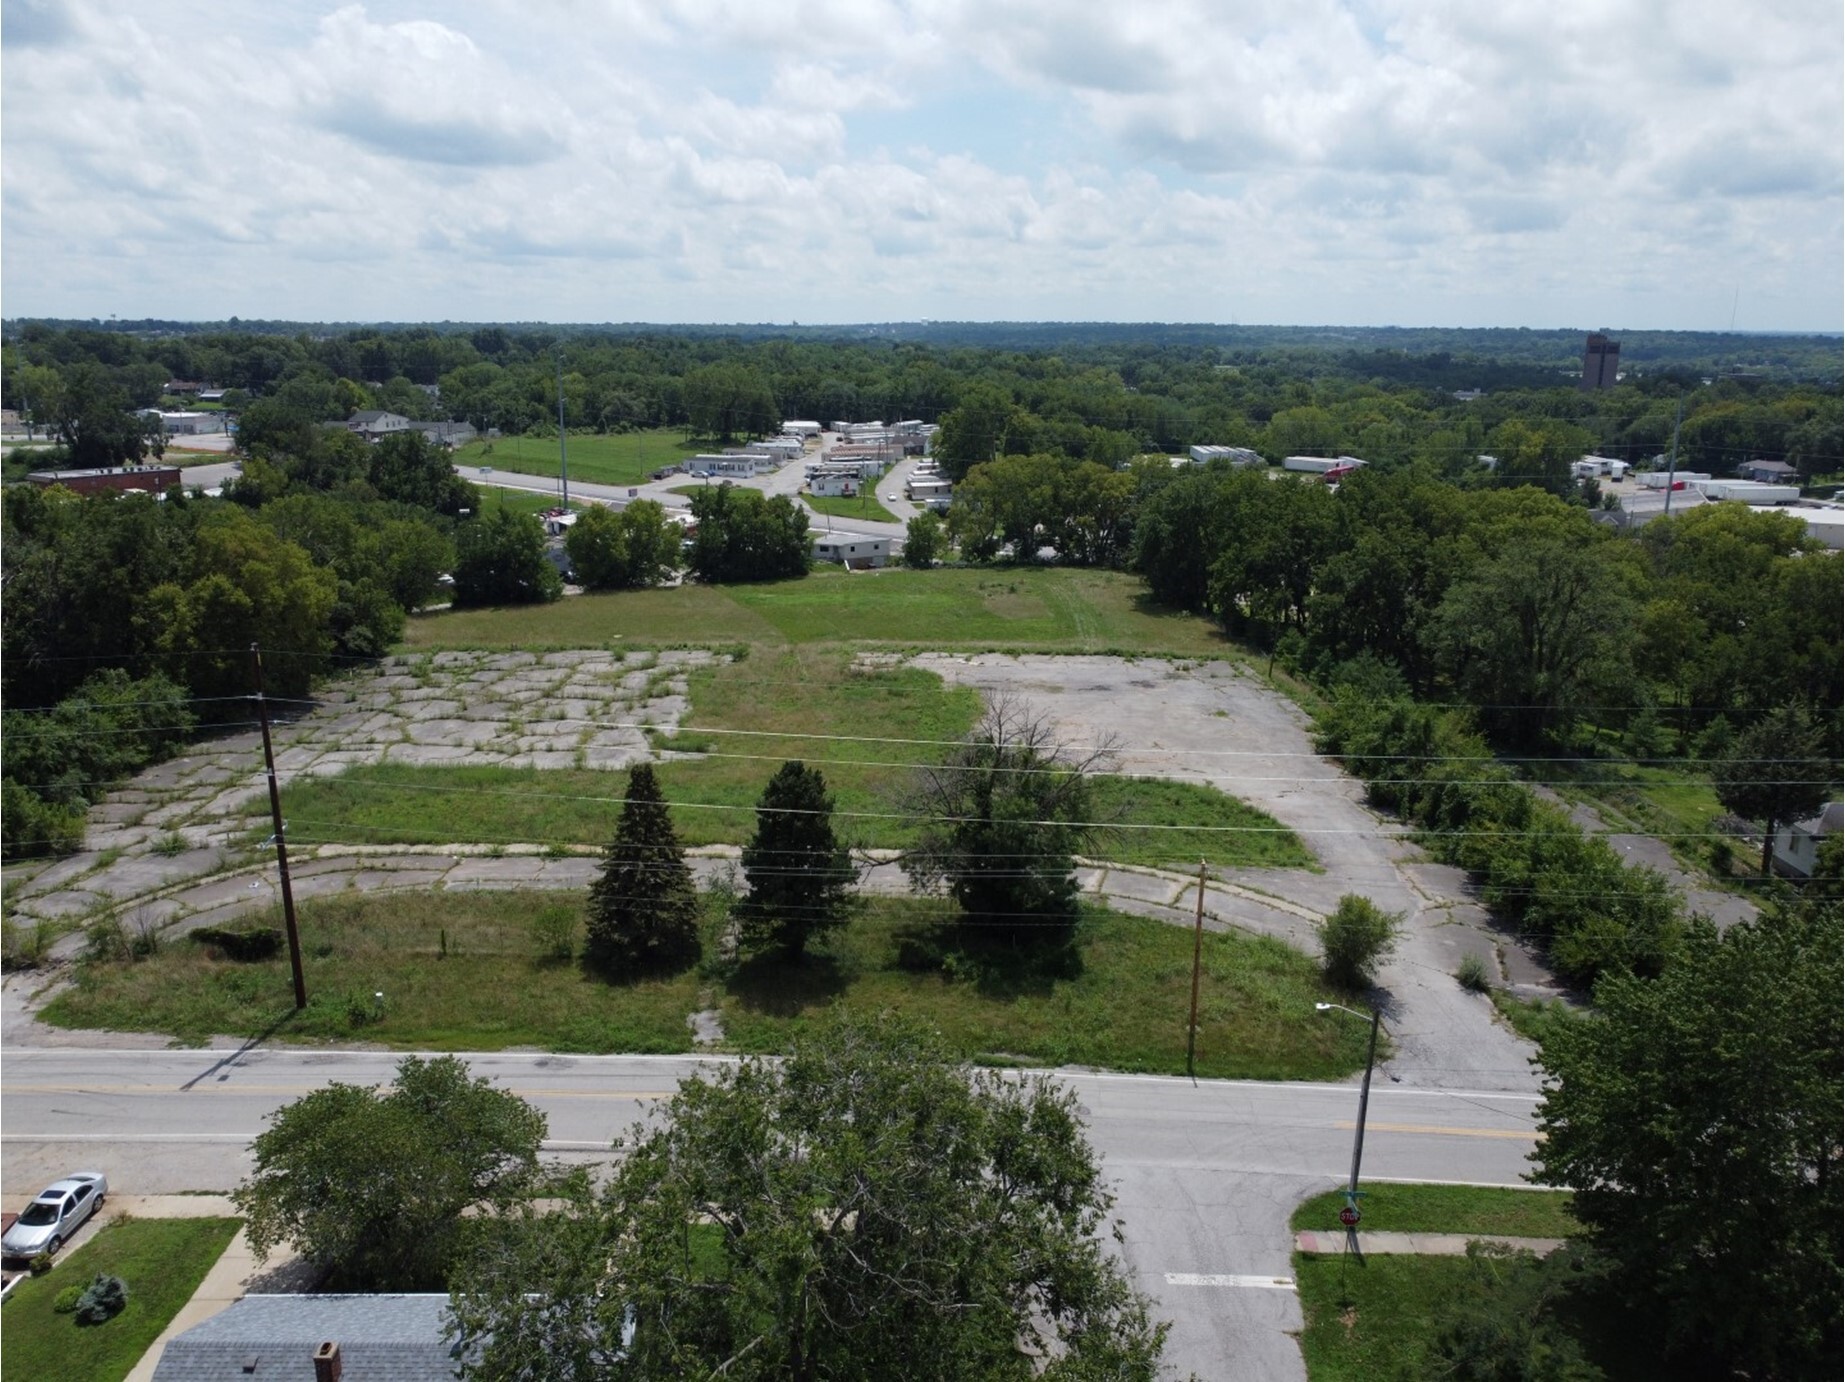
<point x="1377" y="1322"/>
<point x="162" y="1261"/>
<point x="864" y="505"/>
<point x="492" y="498"/>
<point x="1054" y="610"/>
<point x="622" y="458"/>
<point x="1124" y="1008"/>
<point x="808" y="703"/>
<point x="459" y="971"/>
<point x="1445" y="1209"/>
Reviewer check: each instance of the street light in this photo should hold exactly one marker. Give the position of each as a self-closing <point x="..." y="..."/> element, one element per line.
<point x="1376" y="1016"/>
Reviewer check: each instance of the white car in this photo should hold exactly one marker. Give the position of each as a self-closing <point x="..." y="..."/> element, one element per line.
<point x="58" y="1211"/>
<point x="890" y="499"/>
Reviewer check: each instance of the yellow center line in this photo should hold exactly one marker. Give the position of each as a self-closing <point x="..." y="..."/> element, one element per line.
<point x="1528" y="1134"/>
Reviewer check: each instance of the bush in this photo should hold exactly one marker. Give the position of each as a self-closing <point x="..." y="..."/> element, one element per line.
<point x="105" y="939"/>
<point x="1504" y="1326"/>
<point x="103" y="1300"/>
<point x="41" y="1264"/>
<point x="246" y="944"/>
<point x="1472" y="974"/>
<point x="66" y="1300"/>
<point x="554" y="930"/>
<point x="1354" y="939"/>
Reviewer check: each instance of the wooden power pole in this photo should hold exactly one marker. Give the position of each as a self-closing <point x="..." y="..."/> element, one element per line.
<point x="1191" y="1030"/>
<point x="281" y="845"/>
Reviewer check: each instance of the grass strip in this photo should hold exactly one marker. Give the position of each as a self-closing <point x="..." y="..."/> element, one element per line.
<point x="1445" y="1209"/>
<point x="1025" y="609"/>
<point x="624" y="458"/>
<point x="162" y="1261"/>
<point x="466" y="971"/>
<point x="863" y="505"/>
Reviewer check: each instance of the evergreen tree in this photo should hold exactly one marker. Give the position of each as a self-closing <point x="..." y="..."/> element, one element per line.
<point x="800" y="877"/>
<point x="643" y="910"/>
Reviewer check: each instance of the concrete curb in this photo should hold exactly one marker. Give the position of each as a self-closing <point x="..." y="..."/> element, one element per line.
<point x="1331" y="1243"/>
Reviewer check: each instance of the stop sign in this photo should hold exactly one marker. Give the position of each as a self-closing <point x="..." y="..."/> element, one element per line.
<point x="1349" y="1216"/>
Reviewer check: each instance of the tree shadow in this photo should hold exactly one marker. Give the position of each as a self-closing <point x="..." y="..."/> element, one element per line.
<point x="1002" y="962"/>
<point x="783" y="985"/>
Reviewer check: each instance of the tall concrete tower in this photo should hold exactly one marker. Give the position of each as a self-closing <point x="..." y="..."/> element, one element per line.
<point x="1601" y="363"/>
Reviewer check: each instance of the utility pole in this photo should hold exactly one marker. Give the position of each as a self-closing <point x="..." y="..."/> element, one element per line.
<point x="1358" y="1138"/>
<point x="1672" y="461"/>
<point x="281" y="845"/>
<point x="1191" y="1030"/>
<point x="563" y="445"/>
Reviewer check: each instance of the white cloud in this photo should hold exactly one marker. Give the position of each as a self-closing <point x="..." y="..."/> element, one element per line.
<point x="1534" y="161"/>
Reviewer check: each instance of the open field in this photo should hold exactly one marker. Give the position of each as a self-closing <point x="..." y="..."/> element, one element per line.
<point x="1390" y="1208"/>
<point x="492" y="498"/>
<point x="1061" y="610"/>
<point x="863" y="726"/>
<point x="162" y="1261"/>
<point x="864" y="506"/>
<point x="622" y="458"/>
<point x="463" y="970"/>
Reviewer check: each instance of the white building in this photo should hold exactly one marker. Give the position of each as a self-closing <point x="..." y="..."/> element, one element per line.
<point x="1319" y="465"/>
<point x="921" y="491"/>
<point x="1796" y="847"/>
<point x="1595" y="467"/>
<point x="1827" y="525"/>
<point x="800" y="428"/>
<point x="1749" y="491"/>
<point x="859" y="551"/>
<point x="835" y="484"/>
<point x="1236" y="455"/>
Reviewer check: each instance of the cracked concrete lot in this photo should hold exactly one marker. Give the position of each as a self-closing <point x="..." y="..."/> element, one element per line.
<point x="172" y="847"/>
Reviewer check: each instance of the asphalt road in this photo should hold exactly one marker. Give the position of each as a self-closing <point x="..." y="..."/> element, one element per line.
<point x="1206" y="1174"/>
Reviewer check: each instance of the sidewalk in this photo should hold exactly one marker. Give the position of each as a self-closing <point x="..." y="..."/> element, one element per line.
<point x="1416" y="1244"/>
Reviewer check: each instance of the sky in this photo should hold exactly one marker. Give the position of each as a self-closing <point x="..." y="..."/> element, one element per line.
<point x="1643" y="164"/>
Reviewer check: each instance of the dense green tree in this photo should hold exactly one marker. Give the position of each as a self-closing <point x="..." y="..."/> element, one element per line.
<point x="1356" y="937"/>
<point x="372" y="1188"/>
<point x="1528" y="635"/>
<point x="643" y="909"/>
<point x="744" y="536"/>
<point x="411" y="469"/>
<point x="866" y="1207"/>
<point x="1779" y="768"/>
<point x="1001" y="823"/>
<point x="799" y="875"/>
<point x="924" y="542"/>
<point x="500" y="560"/>
<point x="1695" y="1118"/>
<point x="975" y="430"/>
<point x="728" y="400"/>
<point x="1539" y="453"/>
<point x="624" y="549"/>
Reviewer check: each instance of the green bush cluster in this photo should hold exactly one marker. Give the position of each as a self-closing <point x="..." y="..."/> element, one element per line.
<point x="1540" y="874"/>
<point x="102" y="1300"/>
<point x="59" y="761"/>
<point x="247" y="944"/>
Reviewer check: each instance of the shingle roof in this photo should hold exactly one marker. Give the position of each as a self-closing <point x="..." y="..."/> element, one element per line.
<point x="381" y="1339"/>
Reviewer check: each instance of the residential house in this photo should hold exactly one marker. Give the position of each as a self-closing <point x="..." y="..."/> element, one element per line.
<point x="295" y="1338"/>
<point x="1796" y="848"/>
<point x="855" y="551"/>
<point x="1769" y="472"/>
<point x="374" y="425"/>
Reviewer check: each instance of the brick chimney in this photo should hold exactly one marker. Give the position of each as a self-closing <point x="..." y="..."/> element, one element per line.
<point x="327" y="1362"/>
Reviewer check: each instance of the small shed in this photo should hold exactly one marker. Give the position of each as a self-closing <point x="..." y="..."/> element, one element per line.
<point x="1768" y="472"/>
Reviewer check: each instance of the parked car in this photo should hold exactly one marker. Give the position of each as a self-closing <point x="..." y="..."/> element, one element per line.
<point x="58" y="1211"/>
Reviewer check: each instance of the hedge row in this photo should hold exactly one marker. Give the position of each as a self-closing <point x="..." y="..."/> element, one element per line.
<point x="1540" y="873"/>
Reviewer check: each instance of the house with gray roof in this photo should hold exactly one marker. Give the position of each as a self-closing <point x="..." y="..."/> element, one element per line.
<point x="372" y="424"/>
<point x="334" y="1338"/>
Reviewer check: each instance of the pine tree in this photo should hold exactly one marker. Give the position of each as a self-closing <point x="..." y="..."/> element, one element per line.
<point x="800" y="877"/>
<point x="643" y="910"/>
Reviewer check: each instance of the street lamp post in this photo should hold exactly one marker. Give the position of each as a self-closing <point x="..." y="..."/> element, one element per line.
<point x="1364" y="1100"/>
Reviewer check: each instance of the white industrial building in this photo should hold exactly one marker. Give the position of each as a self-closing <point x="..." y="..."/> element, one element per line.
<point x="1236" y="455"/>
<point x="800" y="428"/>
<point x="1319" y="465"/>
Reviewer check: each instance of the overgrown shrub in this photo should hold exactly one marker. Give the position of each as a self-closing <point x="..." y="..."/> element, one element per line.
<point x="23" y="947"/>
<point x="1354" y="939"/>
<point x="1503" y="1324"/>
<point x="103" y="1300"/>
<point x="1539" y="872"/>
<point x="66" y="1300"/>
<point x="554" y="930"/>
<point x="245" y="944"/>
<point x="1472" y="973"/>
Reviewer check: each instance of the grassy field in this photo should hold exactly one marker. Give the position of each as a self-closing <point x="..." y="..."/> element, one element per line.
<point x="863" y="506"/>
<point x="1057" y="610"/>
<point x="1445" y="1209"/>
<point x="1123" y="1007"/>
<point x="624" y="458"/>
<point x="493" y="498"/>
<point x="460" y="971"/>
<point x="162" y="1261"/>
<point x="808" y="703"/>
